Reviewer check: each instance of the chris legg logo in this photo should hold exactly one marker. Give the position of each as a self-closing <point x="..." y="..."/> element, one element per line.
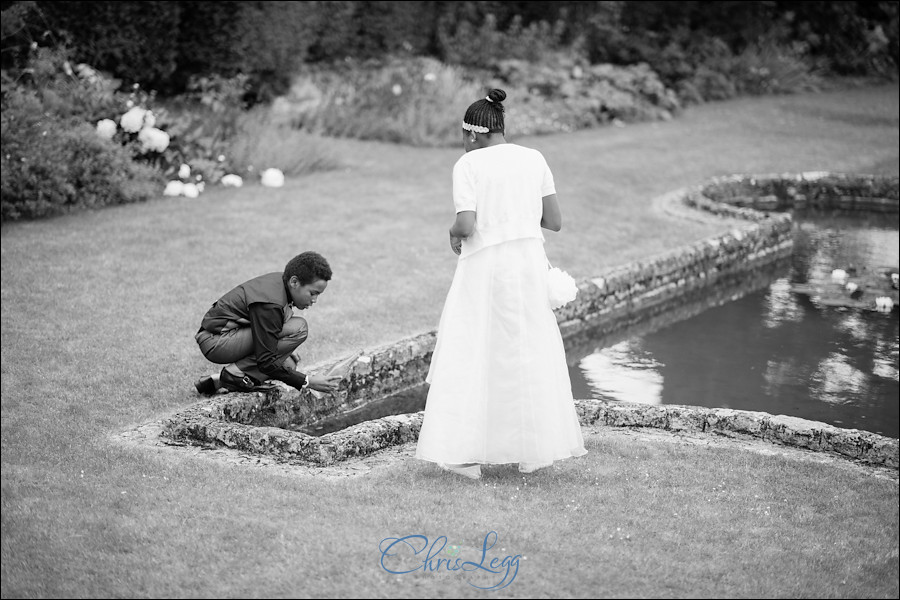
<point x="412" y="553"/>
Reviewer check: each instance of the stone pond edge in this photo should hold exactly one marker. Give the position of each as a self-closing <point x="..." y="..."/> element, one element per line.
<point x="617" y="297"/>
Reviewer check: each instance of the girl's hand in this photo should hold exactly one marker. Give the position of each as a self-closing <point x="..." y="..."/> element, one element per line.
<point x="455" y="244"/>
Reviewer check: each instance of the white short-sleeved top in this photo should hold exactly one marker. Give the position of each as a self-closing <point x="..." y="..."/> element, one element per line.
<point x="504" y="185"/>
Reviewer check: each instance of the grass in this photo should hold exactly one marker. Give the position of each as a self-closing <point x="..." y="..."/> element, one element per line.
<point x="98" y="312"/>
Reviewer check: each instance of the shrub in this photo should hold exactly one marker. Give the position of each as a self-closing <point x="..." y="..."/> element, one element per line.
<point x="263" y="142"/>
<point x="564" y="93"/>
<point x="53" y="165"/>
<point x="484" y="45"/>
<point x="420" y="101"/>
<point x="136" y="41"/>
<point x="772" y="68"/>
<point x="417" y="101"/>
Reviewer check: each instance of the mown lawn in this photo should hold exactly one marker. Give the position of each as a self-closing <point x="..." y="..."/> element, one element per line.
<point x="98" y="314"/>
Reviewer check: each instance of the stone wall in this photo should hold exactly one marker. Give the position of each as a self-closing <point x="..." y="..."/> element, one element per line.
<point x="616" y="299"/>
<point x="203" y="424"/>
<point x="855" y="444"/>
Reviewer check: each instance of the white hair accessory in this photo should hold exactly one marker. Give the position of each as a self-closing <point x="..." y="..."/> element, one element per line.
<point x="474" y="128"/>
<point x="488" y="98"/>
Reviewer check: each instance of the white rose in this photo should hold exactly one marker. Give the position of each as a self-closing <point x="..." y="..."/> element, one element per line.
<point x="232" y="180"/>
<point x="153" y="139"/>
<point x="191" y="190"/>
<point x="133" y="120"/>
<point x="272" y="178"/>
<point x="106" y="128"/>
<point x="185" y="171"/>
<point x="174" y="188"/>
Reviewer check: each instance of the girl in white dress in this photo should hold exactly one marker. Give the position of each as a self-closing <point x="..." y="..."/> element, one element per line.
<point x="499" y="384"/>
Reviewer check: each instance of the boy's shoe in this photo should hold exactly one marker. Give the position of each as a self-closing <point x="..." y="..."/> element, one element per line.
<point x="206" y="386"/>
<point x="243" y="384"/>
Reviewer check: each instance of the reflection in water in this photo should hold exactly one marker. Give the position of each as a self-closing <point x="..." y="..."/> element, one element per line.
<point x="774" y="350"/>
<point x="781" y="304"/>
<point x="836" y="381"/>
<point x="886" y="360"/>
<point x="854" y="325"/>
<point x="624" y="372"/>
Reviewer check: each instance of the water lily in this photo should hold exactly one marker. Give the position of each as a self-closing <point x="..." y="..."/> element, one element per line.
<point x="838" y="275"/>
<point x="184" y="171"/>
<point x="884" y="303"/>
<point x="851" y="287"/>
<point x="232" y="180"/>
<point x="174" y="188"/>
<point x="106" y="128"/>
<point x="272" y="178"/>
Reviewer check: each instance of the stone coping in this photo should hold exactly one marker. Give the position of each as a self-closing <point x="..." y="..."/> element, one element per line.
<point x="855" y="444"/>
<point x="636" y="292"/>
<point x="359" y="440"/>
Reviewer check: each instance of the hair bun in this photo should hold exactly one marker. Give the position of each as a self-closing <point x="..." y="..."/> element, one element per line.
<point x="497" y="95"/>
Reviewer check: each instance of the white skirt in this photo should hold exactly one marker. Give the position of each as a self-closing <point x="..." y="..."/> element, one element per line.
<point x="500" y="389"/>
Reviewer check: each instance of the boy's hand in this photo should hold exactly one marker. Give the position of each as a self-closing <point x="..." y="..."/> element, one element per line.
<point x="324" y="383"/>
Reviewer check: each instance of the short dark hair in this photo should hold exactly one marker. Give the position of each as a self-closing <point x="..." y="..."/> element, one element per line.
<point x="488" y="112"/>
<point x="308" y="267"/>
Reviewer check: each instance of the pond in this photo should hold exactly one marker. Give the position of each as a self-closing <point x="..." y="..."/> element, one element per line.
<point x="772" y="349"/>
<point x="777" y="350"/>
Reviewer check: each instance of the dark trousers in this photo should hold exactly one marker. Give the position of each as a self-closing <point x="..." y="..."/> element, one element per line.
<point x="234" y="347"/>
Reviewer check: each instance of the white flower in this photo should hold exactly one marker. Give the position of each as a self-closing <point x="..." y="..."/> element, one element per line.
<point x="884" y="303"/>
<point x="895" y="278"/>
<point x="232" y="180"/>
<point x="174" y="188"/>
<point x="106" y="128"/>
<point x="851" y="287"/>
<point x="149" y="119"/>
<point x="201" y="186"/>
<point x="272" y="178"/>
<point x="839" y="275"/>
<point x="191" y="190"/>
<point x="561" y="288"/>
<point x="430" y="77"/>
<point x="184" y="171"/>
<point x="221" y="158"/>
<point x="133" y="120"/>
<point x="87" y="72"/>
<point x="153" y="139"/>
<point x="397" y="90"/>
